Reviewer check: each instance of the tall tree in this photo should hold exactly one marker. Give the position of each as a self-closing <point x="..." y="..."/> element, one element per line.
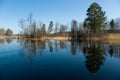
<point x="85" y="24"/>
<point x="96" y="18"/>
<point x="112" y="24"/>
<point x="56" y="28"/>
<point x="50" y="28"/>
<point x="63" y="29"/>
<point x="2" y="31"/>
<point x="28" y="26"/>
<point x="117" y="24"/>
<point x="33" y="29"/>
<point x="23" y="26"/>
<point x="9" y="32"/>
<point x="31" y="26"/>
<point x="74" y="28"/>
<point x="43" y="30"/>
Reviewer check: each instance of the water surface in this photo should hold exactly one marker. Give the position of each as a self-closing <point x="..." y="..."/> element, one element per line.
<point x="58" y="60"/>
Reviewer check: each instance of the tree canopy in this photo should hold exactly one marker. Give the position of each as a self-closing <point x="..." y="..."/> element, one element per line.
<point x="112" y="24"/>
<point x="96" y="17"/>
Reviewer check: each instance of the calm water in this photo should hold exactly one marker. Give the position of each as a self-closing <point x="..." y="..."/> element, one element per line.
<point x="58" y="60"/>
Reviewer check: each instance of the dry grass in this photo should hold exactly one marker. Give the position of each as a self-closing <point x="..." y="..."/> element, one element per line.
<point x="60" y="38"/>
<point x="113" y="36"/>
<point x="109" y="38"/>
<point x="1" y="35"/>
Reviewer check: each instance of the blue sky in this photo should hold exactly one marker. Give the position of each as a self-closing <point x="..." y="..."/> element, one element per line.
<point x="62" y="11"/>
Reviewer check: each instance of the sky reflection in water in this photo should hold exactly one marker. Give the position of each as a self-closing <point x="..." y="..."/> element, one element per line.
<point x="51" y="59"/>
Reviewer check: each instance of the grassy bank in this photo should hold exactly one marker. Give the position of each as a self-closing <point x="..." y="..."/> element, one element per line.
<point x="60" y="38"/>
<point x="45" y="38"/>
<point x="110" y="38"/>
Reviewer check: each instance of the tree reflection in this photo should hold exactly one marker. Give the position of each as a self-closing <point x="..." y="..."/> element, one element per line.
<point x="50" y="45"/>
<point x="33" y="46"/>
<point x="41" y="46"/>
<point x="94" y="52"/>
<point x="2" y="41"/>
<point x="9" y="40"/>
<point x="63" y="44"/>
<point x="73" y="47"/>
<point x="30" y="47"/>
<point x="56" y="45"/>
<point x="111" y="51"/>
<point x="94" y="57"/>
<point x="114" y="50"/>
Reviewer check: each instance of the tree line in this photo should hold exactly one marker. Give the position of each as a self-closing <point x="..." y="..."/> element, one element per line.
<point x="31" y="29"/>
<point x="7" y="32"/>
<point x="95" y="23"/>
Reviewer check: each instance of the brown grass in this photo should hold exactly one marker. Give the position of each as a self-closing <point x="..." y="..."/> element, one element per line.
<point x="1" y="35"/>
<point x="60" y="38"/>
<point x="112" y="38"/>
<point x="109" y="38"/>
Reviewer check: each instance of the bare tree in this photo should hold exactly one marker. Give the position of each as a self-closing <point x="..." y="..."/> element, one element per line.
<point x="28" y="27"/>
<point x="74" y="28"/>
<point x="2" y="31"/>
<point x="117" y="24"/>
<point x="31" y="25"/>
<point x="63" y="29"/>
<point x="43" y="30"/>
<point x="9" y="32"/>
<point x="22" y="25"/>
<point x="56" y="28"/>
<point x="33" y="29"/>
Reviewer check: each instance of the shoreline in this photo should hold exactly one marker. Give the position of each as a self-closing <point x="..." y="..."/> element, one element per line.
<point x="108" y="38"/>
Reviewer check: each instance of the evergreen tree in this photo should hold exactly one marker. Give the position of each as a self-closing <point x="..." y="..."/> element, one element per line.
<point x="85" y="24"/>
<point x="50" y="28"/>
<point x="96" y="18"/>
<point x="112" y="24"/>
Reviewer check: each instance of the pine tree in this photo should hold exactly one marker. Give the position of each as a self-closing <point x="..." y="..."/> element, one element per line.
<point x="50" y="29"/>
<point x="112" y="24"/>
<point x="85" y="24"/>
<point x="96" y="18"/>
